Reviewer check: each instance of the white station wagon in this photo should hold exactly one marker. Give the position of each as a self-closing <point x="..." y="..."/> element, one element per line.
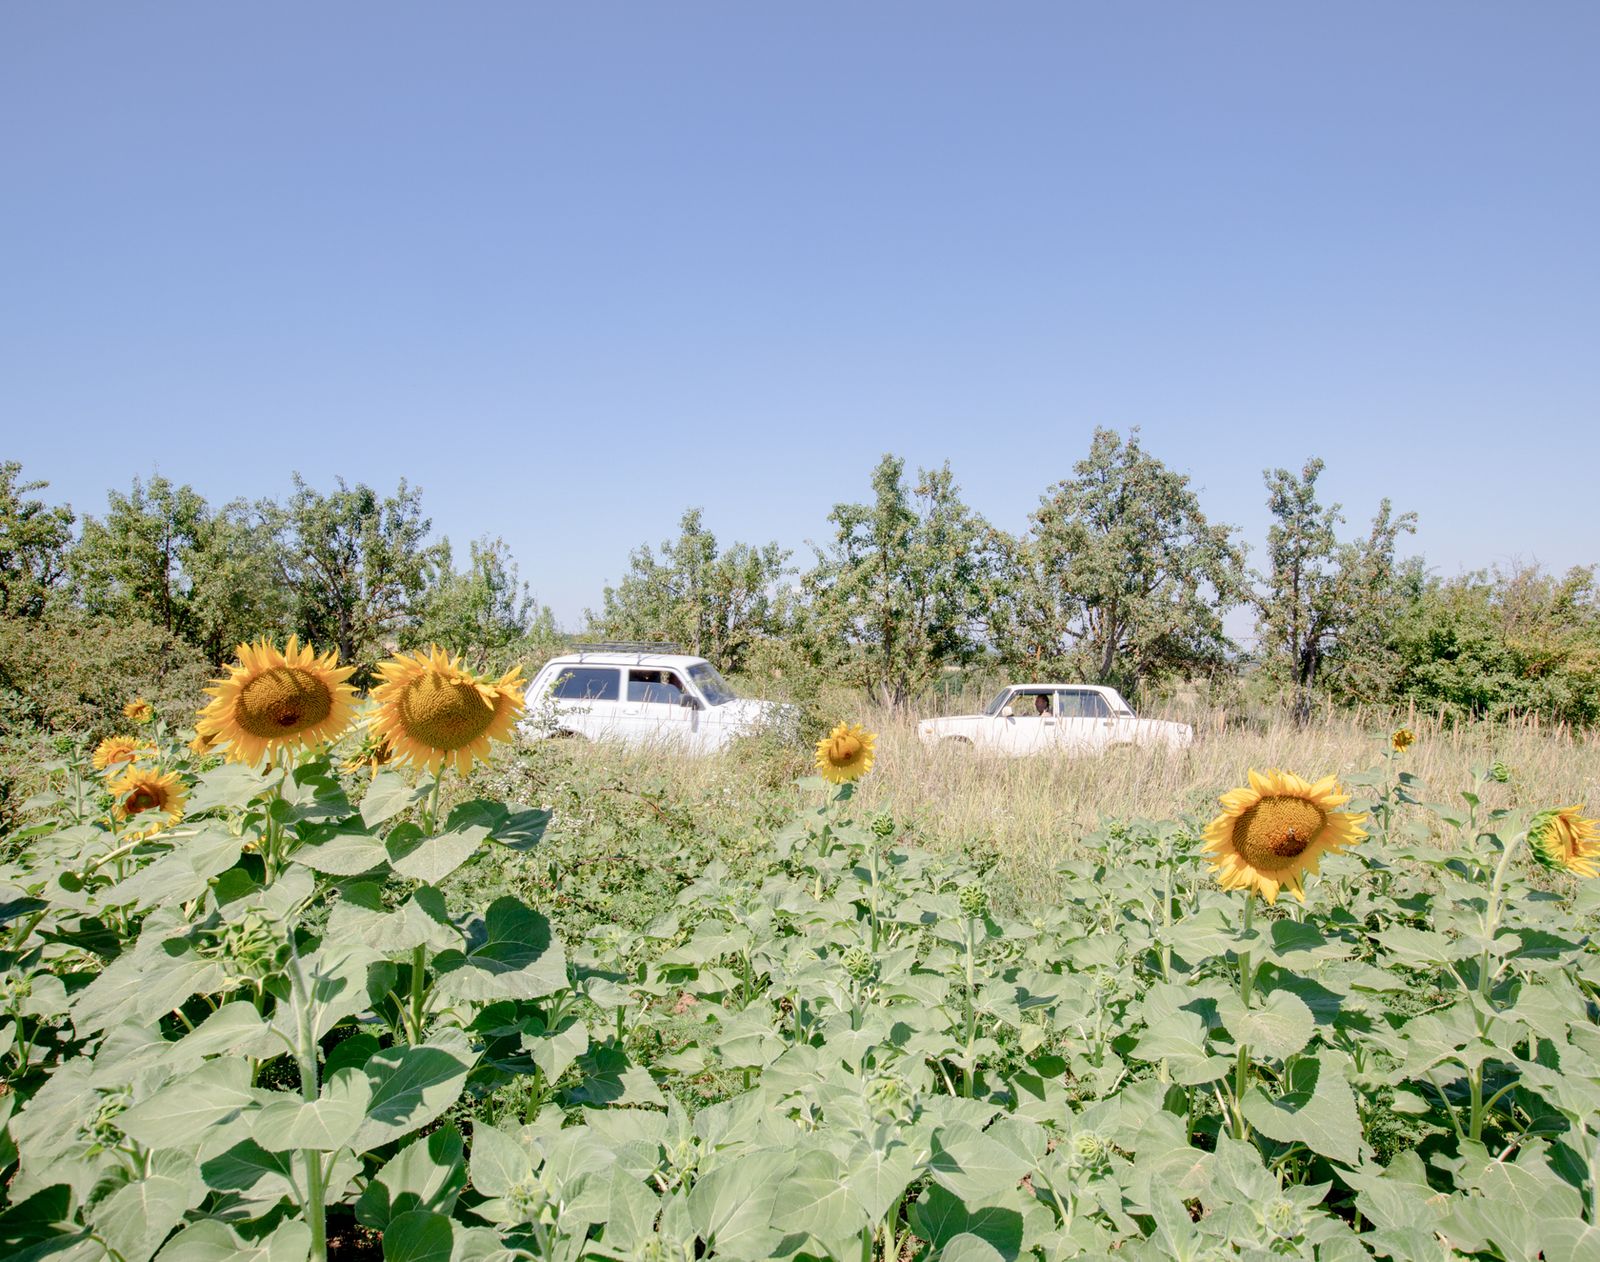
<point x="1037" y="718"/>
<point x="640" y="698"/>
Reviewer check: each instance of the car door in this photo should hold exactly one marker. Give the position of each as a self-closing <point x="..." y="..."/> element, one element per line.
<point x="588" y="700"/>
<point x="653" y="709"/>
<point x="1030" y="728"/>
<point x="1084" y="725"/>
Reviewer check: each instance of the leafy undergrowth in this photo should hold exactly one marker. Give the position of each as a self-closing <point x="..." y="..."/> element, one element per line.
<point x="322" y="1017"/>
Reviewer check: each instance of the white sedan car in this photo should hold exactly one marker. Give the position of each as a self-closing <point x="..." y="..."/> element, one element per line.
<point x="640" y="697"/>
<point x="1037" y="718"/>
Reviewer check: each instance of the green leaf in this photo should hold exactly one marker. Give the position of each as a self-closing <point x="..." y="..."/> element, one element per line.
<point x="138" y="1216"/>
<point x="966" y="1247"/>
<point x="877" y="1176"/>
<point x="226" y="788"/>
<point x="213" y="1241"/>
<point x="1179" y="1038"/>
<point x="499" y="1162"/>
<point x="343" y="850"/>
<point x="1279" y="1028"/>
<point x="1318" y="1110"/>
<point x="325" y="1124"/>
<point x="815" y="1199"/>
<point x="178" y="1115"/>
<point x="731" y="1205"/>
<point x="427" y="1174"/>
<point x="388" y="795"/>
<point x="431" y="859"/>
<point x="973" y="1166"/>
<point x="410" y="1087"/>
<point x="361" y="915"/>
<point x="510" y="954"/>
<point x="249" y="1169"/>
<point x="939" y="1217"/>
<point x="419" y="1236"/>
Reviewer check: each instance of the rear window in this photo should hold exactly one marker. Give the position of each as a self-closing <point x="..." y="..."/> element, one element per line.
<point x="587" y="683"/>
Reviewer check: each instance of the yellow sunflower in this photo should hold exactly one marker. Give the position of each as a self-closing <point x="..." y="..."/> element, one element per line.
<point x="271" y="701"/>
<point x="1276" y="830"/>
<point x="1564" y="839"/>
<point x="139" y="710"/>
<point x="202" y="744"/>
<point x="1402" y="740"/>
<point x="112" y="752"/>
<point x="433" y="713"/>
<point x="846" y="753"/>
<point x="155" y="799"/>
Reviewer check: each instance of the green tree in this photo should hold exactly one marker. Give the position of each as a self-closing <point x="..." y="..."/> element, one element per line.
<point x="902" y="591"/>
<point x="483" y="612"/>
<point x="714" y="603"/>
<point x="34" y="543"/>
<point x="1319" y="591"/>
<point x="237" y="593"/>
<point x="130" y="563"/>
<point x="357" y="563"/>
<point x="1120" y="577"/>
<point x="1491" y="644"/>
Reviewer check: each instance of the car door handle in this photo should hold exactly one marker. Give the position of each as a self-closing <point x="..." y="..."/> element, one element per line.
<point x="1107" y="722"/>
<point x="1049" y="722"/>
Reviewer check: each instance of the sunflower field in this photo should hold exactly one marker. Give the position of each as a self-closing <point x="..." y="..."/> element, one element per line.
<point x="286" y="988"/>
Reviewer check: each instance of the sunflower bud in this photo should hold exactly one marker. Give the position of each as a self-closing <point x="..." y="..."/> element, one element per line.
<point x="1499" y="772"/>
<point x="857" y="962"/>
<point x="528" y="1197"/>
<point x="883" y="826"/>
<point x="974" y="901"/>
<point x="1283" y="1219"/>
<point x="1088" y="1147"/>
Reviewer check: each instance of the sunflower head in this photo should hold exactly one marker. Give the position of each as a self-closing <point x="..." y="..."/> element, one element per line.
<point x="1275" y="830"/>
<point x="1402" y="739"/>
<point x="151" y="799"/>
<point x="202" y="744"/>
<point x="271" y="702"/>
<point x="846" y="753"/>
<point x="1563" y="840"/>
<point x="432" y="712"/>
<point x="373" y="752"/>
<point x="111" y="753"/>
<point x="139" y="710"/>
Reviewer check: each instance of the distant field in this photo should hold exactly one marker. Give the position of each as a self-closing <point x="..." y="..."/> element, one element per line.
<point x="1033" y="812"/>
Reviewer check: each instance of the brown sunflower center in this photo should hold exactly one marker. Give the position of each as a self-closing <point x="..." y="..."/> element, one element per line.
<point x="283" y="701"/>
<point x="843" y="749"/>
<point x="142" y="800"/>
<point x="1275" y="832"/>
<point x="444" y="714"/>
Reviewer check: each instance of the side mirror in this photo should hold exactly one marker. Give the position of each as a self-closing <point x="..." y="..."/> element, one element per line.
<point x="690" y="703"/>
<point x="1008" y="713"/>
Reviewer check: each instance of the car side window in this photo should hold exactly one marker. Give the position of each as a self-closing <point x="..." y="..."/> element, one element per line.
<point x="586" y="683"/>
<point x="655" y="687"/>
<point x="1031" y="705"/>
<point x="1084" y="705"/>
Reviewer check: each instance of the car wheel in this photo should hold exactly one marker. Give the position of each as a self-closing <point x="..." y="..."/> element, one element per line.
<point x="567" y="734"/>
<point x="950" y="741"/>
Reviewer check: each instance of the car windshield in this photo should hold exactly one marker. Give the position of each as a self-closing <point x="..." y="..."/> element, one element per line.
<point x="712" y="685"/>
<point x="999" y="702"/>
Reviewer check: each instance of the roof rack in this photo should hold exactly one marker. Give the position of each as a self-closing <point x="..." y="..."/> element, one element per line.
<point x="624" y="646"/>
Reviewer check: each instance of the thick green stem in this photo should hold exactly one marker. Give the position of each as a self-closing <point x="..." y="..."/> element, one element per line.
<point x="1492" y="913"/>
<point x="306" y="1055"/>
<point x="1241" y="1068"/>
<point x="419" y="966"/>
<point x="433" y="800"/>
<point x="971" y="1070"/>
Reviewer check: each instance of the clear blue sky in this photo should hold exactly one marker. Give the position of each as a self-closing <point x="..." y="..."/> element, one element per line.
<point x="575" y="267"/>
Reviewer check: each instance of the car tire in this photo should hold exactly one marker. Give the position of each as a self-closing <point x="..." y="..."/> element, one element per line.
<point x="948" y="741"/>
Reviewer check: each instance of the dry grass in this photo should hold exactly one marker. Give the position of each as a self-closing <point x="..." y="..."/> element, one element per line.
<point x="1033" y="812"/>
